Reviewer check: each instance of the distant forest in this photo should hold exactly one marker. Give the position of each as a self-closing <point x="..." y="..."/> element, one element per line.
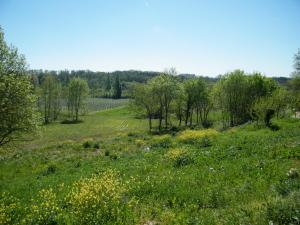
<point x="101" y="83"/>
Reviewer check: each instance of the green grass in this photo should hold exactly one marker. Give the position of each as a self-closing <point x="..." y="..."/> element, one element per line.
<point x="102" y="124"/>
<point x="240" y="177"/>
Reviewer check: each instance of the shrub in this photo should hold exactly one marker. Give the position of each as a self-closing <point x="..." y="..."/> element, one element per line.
<point x="96" y="145"/>
<point x="183" y="160"/>
<point x="202" y="137"/>
<point x="285" y="210"/>
<point x="139" y="142"/>
<point x="106" y="153"/>
<point x="50" y="170"/>
<point x="99" y="200"/>
<point x="44" y="209"/>
<point x="173" y="154"/>
<point x="88" y="143"/>
<point x="114" y="156"/>
<point x="179" y="157"/>
<point x="162" y="141"/>
<point x="8" y="209"/>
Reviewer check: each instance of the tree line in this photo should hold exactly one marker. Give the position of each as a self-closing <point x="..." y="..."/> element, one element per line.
<point x="237" y="96"/>
<point x="167" y="97"/>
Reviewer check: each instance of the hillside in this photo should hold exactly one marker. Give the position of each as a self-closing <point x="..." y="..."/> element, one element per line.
<point x="244" y="175"/>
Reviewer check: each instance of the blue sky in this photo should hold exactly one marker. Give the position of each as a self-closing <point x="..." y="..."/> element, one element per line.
<point x="203" y="37"/>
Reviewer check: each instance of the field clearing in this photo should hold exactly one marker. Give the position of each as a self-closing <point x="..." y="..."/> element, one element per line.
<point x="101" y="125"/>
<point x="228" y="177"/>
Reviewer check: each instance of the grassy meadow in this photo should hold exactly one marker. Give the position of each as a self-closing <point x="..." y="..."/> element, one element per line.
<point x="244" y="175"/>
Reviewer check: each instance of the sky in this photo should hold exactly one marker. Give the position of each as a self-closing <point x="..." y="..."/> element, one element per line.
<point x="203" y="37"/>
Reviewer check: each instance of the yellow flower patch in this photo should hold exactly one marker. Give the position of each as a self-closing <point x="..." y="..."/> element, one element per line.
<point x="194" y="136"/>
<point x="173" y="154"/>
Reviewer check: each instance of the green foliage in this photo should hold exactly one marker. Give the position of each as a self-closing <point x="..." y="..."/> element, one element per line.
<point x="18" y="113"/>
<point x="235" y="93"/>
<point x="44" y="209"/>
<point x="117" y="88"/>
<point x="165" y="90"/>
<point x="265" y="108"/>
<point x="297" y="61"/>
<point x="50" y="100"/>
<point x="9" y="209"/>
<point x="237" y="179"/>
<point x="285" y="210"/>
<point x="77" y="92"/>
<point x="162" y="141"/>
<point x="143" y="96"/>
<point x="98" y="200"/>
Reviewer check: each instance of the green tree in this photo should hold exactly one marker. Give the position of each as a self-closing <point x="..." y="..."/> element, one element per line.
<point x="107" y="87"/>
<point x="294" y="86"/>
<point x="190" y="95"/>
<point x="297" y="62"/>
<point x="117" y="89"/>
<point x="236" y="92"/>
<point x="50" y="101"/>
<point x="202" y="103"/>
<point x="77" y="92"/>
<point x="18" y="112"/>
<point x="143" y="96"/>
<point x="165" y="90"/>
<point x="180" y="104"/>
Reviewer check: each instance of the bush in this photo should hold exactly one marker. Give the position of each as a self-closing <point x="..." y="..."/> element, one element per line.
<point x="50" y="170"/>
<point x="173" y="154"/>
<point x="162" y="141"/>
<point x="106" y="153"/>
<point x="113" y="156"/>
<point x="99" y="200"/>
<point x="183" y="160"/>
<point x="96" y="145"/>
<point x="274" y="127"/>
<point x="88" y="143"/>
<point x="285" y="211"/>
<point x="201" y="137"/>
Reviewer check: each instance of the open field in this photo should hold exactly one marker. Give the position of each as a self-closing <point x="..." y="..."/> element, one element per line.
<point x="238" y="176"/>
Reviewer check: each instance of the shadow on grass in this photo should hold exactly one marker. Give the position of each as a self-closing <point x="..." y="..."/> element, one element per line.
<point x="71" y="121"/>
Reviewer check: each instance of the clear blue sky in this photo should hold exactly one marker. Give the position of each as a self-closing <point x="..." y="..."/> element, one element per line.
<point x="203" y="37"/>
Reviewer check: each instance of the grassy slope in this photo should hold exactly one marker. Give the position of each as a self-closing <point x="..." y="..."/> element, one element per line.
<point x="228" y="182"/>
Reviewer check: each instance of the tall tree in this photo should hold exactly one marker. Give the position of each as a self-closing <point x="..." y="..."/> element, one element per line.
<point x="144" y="97"/>
<point x="203" y="102"/>
<point x="294" y="84"/>
<point x="165" y="89"/>
<point x="117" y="89"/>
<point x="50" y="102"/>
<point x="77" y="92"/>
<point x="189" y="88"/>
<point x="18" y="112"/>
<point x="297" y="62"/>
<point x="107" y="87"/>
<point x="236" y="92"/>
